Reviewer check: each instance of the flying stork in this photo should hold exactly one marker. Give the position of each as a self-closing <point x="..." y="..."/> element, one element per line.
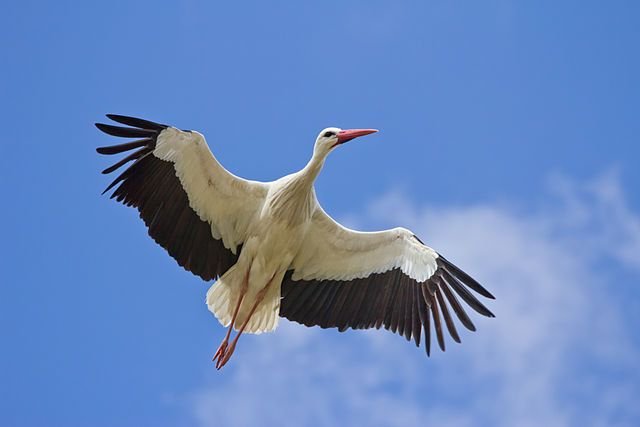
<point x="272" y="248"/>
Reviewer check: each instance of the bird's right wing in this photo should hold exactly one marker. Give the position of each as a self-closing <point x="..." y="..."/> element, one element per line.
<point x="194" y="208"/>
<point x="344" y="278"/>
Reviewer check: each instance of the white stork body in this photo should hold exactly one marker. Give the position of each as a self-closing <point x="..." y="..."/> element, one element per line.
<point x="274" y="249"/>
<point x="273" y="239"/>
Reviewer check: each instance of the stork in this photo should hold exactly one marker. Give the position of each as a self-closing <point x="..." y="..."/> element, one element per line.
<point x="274" y="252"/>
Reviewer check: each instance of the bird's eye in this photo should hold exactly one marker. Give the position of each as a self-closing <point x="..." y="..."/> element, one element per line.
<point x="328" y="134"/>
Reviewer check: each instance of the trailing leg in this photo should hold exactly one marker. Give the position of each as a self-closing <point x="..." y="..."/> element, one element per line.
<point x="229" y="350"/>
<point x="222" y="349"/>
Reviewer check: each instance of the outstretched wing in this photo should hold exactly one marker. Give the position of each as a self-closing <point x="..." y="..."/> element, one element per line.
<point x="349" y="279"/>
<point x="193" y="207"/>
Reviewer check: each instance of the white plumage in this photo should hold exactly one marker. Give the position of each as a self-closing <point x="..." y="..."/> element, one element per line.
<point x="225" y="201"/>
<point x="272" y="247"/>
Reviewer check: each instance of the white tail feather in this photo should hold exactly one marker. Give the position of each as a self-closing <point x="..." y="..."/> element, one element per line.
<point x="222" y="298"/>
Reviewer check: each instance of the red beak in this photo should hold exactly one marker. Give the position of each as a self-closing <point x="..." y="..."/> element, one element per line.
<point x="349" y="134"/>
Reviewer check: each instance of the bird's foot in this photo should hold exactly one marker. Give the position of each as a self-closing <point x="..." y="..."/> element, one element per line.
<point x="220" y="352"/>
<point x="224" y="358"/>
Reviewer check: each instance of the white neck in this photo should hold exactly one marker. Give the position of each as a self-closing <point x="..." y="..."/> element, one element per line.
<point x="310" y="172"/>
<point x="295" y="199"/>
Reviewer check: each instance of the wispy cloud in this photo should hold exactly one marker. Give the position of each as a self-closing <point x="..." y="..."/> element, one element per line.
<point x="557" y="354"/>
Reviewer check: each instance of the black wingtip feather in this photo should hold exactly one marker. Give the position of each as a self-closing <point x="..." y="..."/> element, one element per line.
<point x="124" y="175"/>
<point x="464" y="277"/>
<point x="451" y="327"/>
<point x="136" y="122"/>
<point x="132" y="156"/>
<point x="427" y="331"/>
<point x="437" y="323"/>
<point x="119" y="148"/>
<point x="467" y="296"/>
<point x="455" y="304"/>
<point x="125" y="132"/>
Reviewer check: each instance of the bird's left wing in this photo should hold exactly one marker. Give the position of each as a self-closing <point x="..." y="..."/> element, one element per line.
<point x="194" y="208"/>
<point x="349" y="279"/>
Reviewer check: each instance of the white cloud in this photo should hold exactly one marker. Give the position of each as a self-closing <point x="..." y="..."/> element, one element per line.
<point x="557" y="354"/>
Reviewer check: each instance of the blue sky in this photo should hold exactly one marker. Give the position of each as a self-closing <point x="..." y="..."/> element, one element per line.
<point x="509" y="141"/>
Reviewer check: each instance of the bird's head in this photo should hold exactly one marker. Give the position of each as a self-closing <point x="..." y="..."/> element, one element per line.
<point x="330" y="138"/>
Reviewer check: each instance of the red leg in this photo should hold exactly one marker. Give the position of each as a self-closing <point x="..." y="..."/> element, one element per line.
<point x="223" y="345"/>
<point x="229" y="351"/>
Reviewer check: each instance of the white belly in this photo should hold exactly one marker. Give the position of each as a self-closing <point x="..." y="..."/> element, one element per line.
<point x="264" y="259"/>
